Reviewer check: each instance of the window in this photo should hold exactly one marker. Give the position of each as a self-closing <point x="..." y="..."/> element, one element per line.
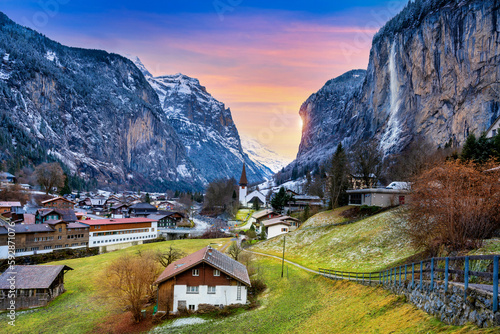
<point x="196" y="272"/>
<point x="191" y="307"/>
<point x="284" y="230"/>
<point x="60" y="229"/>
<point x="494" y="132"/>
<point x="216" y="272"/>
<point x="58" y="246"/>
<point x="192" y="289"/>
<point x="34" y="248"/>
<point x="47" y="247"/>
<point x="211" y="289"/>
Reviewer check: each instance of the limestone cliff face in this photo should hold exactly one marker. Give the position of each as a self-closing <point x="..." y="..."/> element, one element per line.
<point x="92" y="110"/>
<point x="434" y="71"/>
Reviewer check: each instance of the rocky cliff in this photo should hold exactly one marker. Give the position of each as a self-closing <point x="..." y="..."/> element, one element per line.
<point x="92" y="110"/>
<point x="433" y="72"/>
<point x="205" y="127"/>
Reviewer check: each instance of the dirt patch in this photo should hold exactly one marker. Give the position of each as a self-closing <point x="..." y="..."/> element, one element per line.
<point x="124" y="323"/>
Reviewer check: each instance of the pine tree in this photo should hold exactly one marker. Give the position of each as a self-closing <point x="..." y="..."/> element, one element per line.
<point x="147" y="199"/>
<point x="469" y="149"/>
<point x="338" y="181"/>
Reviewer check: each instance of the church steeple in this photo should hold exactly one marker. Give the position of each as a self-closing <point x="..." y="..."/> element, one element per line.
<point x="243" y="178"/>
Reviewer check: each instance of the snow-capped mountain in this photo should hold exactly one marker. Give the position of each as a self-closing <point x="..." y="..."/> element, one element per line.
<point x="263" y="155"/>
<point x="204" y="126"/>
<point x="90" y="109"/>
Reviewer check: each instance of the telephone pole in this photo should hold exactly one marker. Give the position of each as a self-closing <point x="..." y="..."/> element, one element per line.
<point x="283" y="260"/>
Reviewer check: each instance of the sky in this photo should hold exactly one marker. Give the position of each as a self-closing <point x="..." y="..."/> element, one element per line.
<point x="263" y="59"/>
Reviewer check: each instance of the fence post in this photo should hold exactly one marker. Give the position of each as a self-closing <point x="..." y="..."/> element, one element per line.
<point x="413" y="275"/>
<point x="466" y="276"/>
<point x="363" y="278"/>
<point x="380" y="278"/>
<point x="446" y="273"/>
<point x="495" y="284"/>
<point x="421" y="273"/>
<point x="432" y="274"/>
<point x="399" y="276"/>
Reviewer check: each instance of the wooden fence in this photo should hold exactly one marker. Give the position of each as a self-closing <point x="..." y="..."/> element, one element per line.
<point x="479" y="270"/>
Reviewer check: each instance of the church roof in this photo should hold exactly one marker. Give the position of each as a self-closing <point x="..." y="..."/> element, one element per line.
<point x="243" y="179"/>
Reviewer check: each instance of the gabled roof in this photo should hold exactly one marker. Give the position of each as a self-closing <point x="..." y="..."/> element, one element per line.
<point x="68" y="215"/>
<point x="116" y="221"/>
<point x="6" y="175"/>
<point x="28" y="228"/>
<point x="212" y="257"/>
<point x="263" y="213"/>
<point x="243" y="178"/>
<point x="143" y="206"/>
<point x="56" y="199"/>
<point x="32" y="277"/>
<point x="277" y="221"/>
<point x="11" y="204"/>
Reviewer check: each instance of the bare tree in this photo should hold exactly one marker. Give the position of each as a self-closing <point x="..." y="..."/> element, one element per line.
<point x="219" y="196"/>
<point x="234" y="250"/>
<point x="366" y="161"/>
<point x="50" y="175"/>
<point x="14" y="193"/>
<point x="128" y="280"/>
<point x="169" y="256"/>
<point x="454" y="206"/>
<point x="338" y="178"/>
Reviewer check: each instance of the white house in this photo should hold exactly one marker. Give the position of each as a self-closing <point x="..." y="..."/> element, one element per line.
<point x="378" y="197"/>
<point x="204" y="277"/>
<point x="494" y="129"/>
<point x="276" y="226"/>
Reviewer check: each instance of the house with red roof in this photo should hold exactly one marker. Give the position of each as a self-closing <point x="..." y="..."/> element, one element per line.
<point x="104" y="233"/>
<point x="204" y="277"/>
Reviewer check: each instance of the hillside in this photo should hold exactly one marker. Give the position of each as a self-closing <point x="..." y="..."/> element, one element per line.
<point x="370" y="244"/>
<point x="306" y="303"/>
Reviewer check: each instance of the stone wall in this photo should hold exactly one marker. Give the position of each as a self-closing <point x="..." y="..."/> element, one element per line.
<point x="451" y="307"/>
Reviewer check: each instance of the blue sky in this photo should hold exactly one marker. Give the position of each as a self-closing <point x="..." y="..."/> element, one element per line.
<point x="261" y="58"/>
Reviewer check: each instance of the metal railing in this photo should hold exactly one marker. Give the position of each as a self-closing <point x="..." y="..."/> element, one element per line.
<point x="479" y="270"/>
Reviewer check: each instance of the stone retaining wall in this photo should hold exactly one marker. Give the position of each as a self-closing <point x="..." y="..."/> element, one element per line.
<point x="451" y="307"/>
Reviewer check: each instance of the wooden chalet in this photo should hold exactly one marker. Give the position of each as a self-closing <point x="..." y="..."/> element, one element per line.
<point x="35" y="286"/>
<point x="204" y="277"/>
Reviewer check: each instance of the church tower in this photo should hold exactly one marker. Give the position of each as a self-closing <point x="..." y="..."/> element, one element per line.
<point x="243" y="187"/>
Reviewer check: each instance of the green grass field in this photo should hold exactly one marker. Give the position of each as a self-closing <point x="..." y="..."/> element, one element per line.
<point x="79" y="309"/>
<point x="371" y="244"/>
<point x="308" y="303"/>
<point x="243" y="216"/>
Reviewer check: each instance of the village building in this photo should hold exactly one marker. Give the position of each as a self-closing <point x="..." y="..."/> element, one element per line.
<point x="35" y="286"/>
<point x="9" y="206"/>
<point x="256" y="196"/>
<point x="280" y="225"/>
<point x="357" y="181"/>
<point x="382" y="197"/>
<point x="141" y="210"/>
<point x="300" y="202"/>
<point x="166" y="205"/>
<point x="259" y="216"/>
<point x="44" y="214"/>
<point x="59" y="203"/>
<point x="31" y="239"/>
<point x="494" y="129"/>
<point x="204" y="277"/>
<point x="119" y="210"/>
<point x="6" y="177"/>
<point x="110" y="234"/>
<point x="167" y="219"/>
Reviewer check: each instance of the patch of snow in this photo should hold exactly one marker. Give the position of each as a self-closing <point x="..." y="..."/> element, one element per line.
<point x="263" y="155"/>
<point x="183" y="171"/>
<point x="50" y="55"/>
<point x="6" y="57"/>
<point x="4" y="75"/>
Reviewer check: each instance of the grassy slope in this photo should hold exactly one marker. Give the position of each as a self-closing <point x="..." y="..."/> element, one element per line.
<point x="367" y="245"/>
<point x="79" y="310"/>
<point x="307" y="303"/>
<point x="244" y="215"/>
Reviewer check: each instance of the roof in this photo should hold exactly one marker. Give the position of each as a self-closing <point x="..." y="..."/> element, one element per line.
<point x="262" y="213"/>
<point x="28" y="228"/>
<point x="243" y="178"/>
<point x="157" y="217"/>
<point x="32" y="277"/>
<point x="77" y="225"/>
<point x="116" y="221"/>
<point x="6" y="174"/>
<point x="306" y="197"/>
<point x="58" y="198"/>
<point x="143" y="206"/>
<point x="377" y="191"/>
<point x="399" y="185"/>
<point x="212" y="257"/>
<point x="3" y="204"/>
<point x="278" y="221"/>
<point x="68" y="215"/>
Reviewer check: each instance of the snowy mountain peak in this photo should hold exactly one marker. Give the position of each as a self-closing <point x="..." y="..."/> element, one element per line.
<point x="138" y="63"/>
<point x="263" y="155"/>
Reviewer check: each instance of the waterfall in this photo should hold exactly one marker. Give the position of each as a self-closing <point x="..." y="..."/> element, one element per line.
<point x="392" y="132"/>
